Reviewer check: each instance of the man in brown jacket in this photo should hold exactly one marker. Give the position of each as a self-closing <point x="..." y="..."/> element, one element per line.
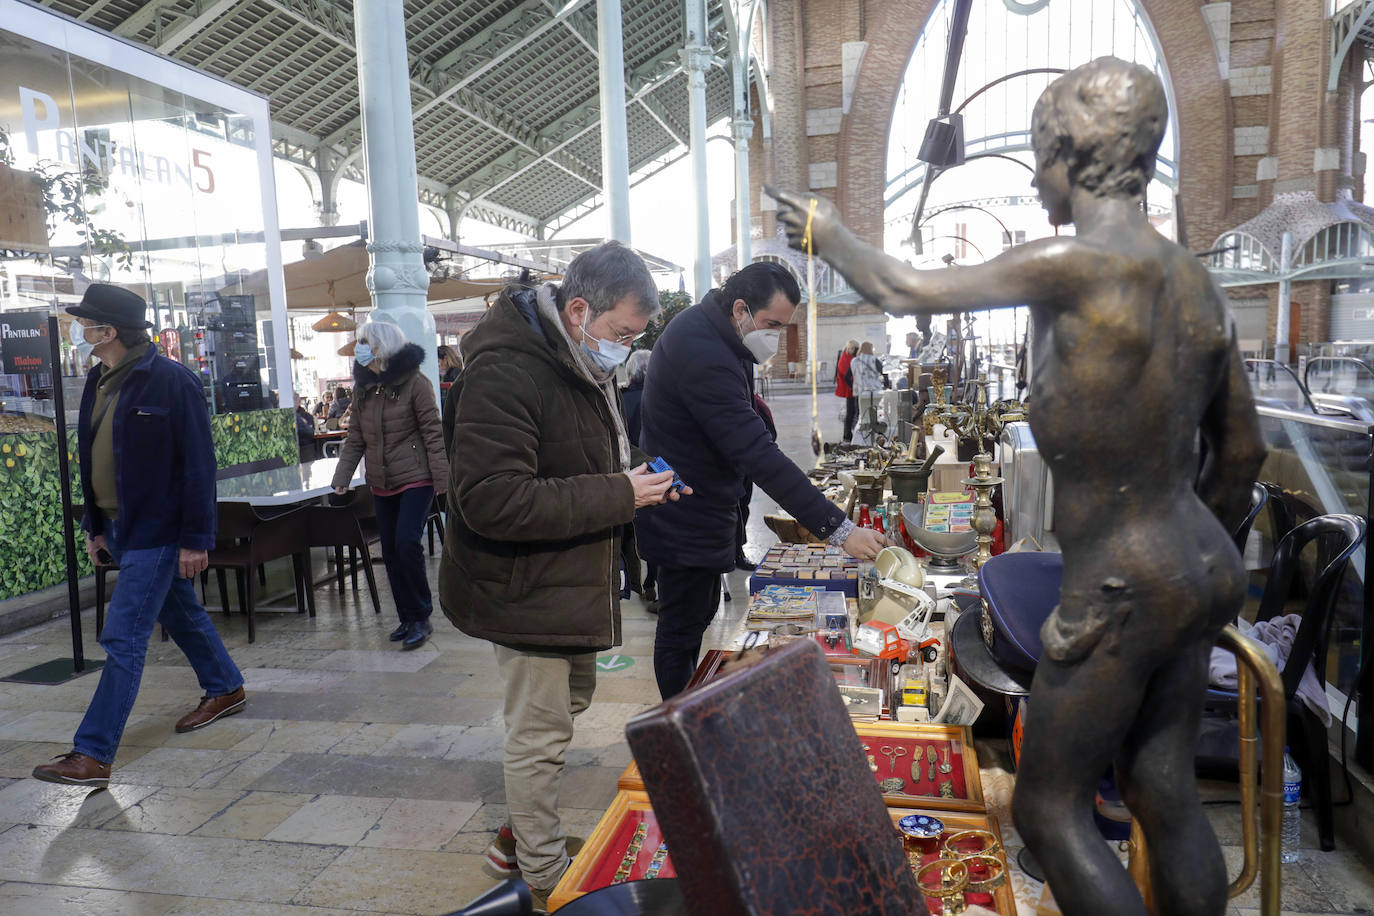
<point x="543" y="481"/>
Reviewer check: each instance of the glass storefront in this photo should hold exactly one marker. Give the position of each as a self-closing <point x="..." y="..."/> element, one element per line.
<point x="120" y="166"/>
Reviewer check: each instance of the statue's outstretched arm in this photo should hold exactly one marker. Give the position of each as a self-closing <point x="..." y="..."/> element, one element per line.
<point x="1041" y="272"/>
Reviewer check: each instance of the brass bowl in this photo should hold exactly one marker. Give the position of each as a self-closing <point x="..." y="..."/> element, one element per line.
<point x="945" y="545"/>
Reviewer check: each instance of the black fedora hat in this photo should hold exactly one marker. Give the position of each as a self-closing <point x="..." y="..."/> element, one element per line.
<point x="112" y="305"/>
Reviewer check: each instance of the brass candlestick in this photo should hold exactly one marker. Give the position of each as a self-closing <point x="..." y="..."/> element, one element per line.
<point x="984" y="516"/>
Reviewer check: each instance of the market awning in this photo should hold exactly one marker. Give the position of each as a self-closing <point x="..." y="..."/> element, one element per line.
<point x="337" y="279"/>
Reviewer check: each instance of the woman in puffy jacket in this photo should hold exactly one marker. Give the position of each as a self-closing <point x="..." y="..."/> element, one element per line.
<point x="395" y="425"/>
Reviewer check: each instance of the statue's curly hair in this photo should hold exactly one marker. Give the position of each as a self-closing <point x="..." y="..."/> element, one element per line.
<point x="1105" y="119"/>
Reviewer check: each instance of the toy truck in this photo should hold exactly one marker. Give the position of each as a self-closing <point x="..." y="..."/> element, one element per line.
<point x="881" y="640"/>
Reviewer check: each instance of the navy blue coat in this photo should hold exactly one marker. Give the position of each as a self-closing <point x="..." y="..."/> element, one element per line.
<point x="698" y="413"/>
<point x="164" y="457"/>
<point x="630" y="400"/>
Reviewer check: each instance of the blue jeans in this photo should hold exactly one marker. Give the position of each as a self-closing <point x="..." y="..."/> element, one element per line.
<point x="401" y="523"/>
<point x="149" y="591"/>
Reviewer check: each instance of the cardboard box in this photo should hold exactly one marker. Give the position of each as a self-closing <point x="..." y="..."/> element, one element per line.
<point x="22" y="221"/>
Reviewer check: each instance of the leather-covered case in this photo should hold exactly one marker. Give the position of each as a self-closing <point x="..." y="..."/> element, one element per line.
<point x="762" y="791"/>
<point x="1020" y="591"/>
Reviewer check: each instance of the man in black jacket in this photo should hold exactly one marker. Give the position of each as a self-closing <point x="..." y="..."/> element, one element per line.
<point x="699" y="415"/>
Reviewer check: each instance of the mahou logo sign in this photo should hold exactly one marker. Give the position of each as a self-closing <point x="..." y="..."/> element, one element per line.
<point x="24" y="342"/>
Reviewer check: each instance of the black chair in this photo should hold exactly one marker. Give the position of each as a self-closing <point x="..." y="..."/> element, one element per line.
<point x="1259" y="498"/>
<point x="338" y="526"/>
<point x="1337" y="537"/>
<point x="245" y="540"/>
<point x="434" y="522"/>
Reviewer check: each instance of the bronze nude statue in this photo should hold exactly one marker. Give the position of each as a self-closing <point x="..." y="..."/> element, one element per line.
<point x="1143" y="411"/>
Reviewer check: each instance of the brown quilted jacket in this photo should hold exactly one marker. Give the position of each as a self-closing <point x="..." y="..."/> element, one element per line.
<point x="395" y="425"/>
<point x="532" y="552"/>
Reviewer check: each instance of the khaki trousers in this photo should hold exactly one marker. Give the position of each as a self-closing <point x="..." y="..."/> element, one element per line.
<point x="544" y="692"/>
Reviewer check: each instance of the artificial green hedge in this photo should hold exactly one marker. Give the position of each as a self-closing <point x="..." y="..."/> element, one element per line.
<point x="258" y="435"/>
<point x="31" y="555"/>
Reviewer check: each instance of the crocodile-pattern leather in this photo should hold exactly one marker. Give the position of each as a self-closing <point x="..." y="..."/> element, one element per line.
<point x="759" y="783"/>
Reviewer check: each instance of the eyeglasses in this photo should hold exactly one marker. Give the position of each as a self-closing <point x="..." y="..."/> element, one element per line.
<point x="625" y="339"/>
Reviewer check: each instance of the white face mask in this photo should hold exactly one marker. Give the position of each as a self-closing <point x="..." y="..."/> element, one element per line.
<point x="762" y="345"/>
<point x="610" y="354"/>
<point x="76" y="332"/>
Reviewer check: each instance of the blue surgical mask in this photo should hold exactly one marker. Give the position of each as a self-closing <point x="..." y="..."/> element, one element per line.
<point x="610" y="355"/>
<point x="363" y="353"/>
<point x="77" y="334"/>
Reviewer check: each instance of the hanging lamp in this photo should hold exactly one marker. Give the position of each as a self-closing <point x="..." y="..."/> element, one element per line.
<point x="334" y="321"/>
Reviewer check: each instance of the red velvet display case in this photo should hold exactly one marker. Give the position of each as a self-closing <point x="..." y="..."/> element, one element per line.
<point x="902" y="751"/>
<point x="1000" y="900"/>
<point x="626" y="845"/>
<point x="612" y="852"/>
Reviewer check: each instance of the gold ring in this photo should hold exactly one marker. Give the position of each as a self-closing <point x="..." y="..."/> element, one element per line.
<point x="990" y="845"/>
<point x="953" y="877"/>
<point x="989" y="884"/>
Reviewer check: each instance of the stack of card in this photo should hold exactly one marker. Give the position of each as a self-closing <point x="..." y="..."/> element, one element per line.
<point x="807" y="564"/>
<point x="949" y="512"/>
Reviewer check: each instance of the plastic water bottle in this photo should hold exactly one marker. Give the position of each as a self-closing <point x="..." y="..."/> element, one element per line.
<point x="1292" y="818"/>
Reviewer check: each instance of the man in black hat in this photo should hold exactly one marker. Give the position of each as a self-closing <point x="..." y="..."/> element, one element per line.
<point x="148" y="483"/>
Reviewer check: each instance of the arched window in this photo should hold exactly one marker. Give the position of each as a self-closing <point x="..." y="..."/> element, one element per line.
<point x="1338" y="242"/>
<point x="829" y="282"/>
<point x="1012" y="51"/>
<point x="1240" y="251"/>
<point x="1003" y="41"/>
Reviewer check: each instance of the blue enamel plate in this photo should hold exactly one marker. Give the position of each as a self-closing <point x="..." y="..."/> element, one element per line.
<point x="921" y="826"/>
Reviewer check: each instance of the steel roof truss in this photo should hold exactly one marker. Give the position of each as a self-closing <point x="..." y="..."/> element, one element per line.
<point x="206" y="14"/>
<point x="514" y="164"/>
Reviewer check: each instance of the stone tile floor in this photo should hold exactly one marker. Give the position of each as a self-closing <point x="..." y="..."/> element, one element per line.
<point x="360" y="779"/>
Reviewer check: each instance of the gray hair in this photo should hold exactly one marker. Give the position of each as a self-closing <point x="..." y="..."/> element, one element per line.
<point x="637" y="366"/>
<point x="606" y="275"/>
<point x="385" y="338"/>
<point x="131" y="337"/>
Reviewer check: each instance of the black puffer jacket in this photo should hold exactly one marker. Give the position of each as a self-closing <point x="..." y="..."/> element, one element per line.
<point x="532" y="552"/>
<point x="395" y="425"/>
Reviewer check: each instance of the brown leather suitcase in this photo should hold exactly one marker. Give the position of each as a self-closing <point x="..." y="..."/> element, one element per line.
<point x="759" y="783"/>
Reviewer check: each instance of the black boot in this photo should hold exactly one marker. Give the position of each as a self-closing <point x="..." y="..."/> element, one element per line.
<point x="400" y="632"/>
<point x="419" y="632"/>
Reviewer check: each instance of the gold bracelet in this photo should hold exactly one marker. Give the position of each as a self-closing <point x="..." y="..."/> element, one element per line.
<point x="990" y="845"/>
<point x="989" y="884"/>
<point x="953" y="877"/>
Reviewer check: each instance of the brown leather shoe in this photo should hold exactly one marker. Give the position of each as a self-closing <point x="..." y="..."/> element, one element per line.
<point x="75" y="769"/>
<point x="212" y="708"/>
